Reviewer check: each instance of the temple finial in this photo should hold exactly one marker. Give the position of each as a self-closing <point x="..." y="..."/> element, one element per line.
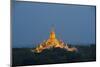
<point x="52" y="27"/>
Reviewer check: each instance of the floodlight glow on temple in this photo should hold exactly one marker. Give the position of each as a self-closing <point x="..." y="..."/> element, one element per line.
<point x="53" y="42"/>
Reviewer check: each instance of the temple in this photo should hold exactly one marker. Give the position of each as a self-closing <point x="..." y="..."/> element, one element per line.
<point x="52" y="42"/>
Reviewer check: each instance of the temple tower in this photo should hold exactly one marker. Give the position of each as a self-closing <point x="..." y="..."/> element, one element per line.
<point x="52" y="42"/>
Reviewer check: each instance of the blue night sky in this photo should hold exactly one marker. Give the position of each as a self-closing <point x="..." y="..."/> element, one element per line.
<point x="32" y="22"/>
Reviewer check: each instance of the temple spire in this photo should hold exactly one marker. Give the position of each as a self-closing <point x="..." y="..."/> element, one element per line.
<point x="52" y="28"/>
<point x="52" y="33"/>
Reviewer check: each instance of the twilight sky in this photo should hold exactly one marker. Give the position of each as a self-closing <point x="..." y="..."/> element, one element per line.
<point x="32" y="22"/>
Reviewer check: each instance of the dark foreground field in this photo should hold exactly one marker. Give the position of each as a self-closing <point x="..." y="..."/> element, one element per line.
<point x="25" y="56"/>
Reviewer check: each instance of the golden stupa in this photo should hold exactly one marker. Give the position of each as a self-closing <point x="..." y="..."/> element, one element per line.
<point x="52" y="42"/>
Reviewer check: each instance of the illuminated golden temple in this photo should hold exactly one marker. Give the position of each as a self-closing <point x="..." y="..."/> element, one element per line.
<point x="52" y="42"/>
